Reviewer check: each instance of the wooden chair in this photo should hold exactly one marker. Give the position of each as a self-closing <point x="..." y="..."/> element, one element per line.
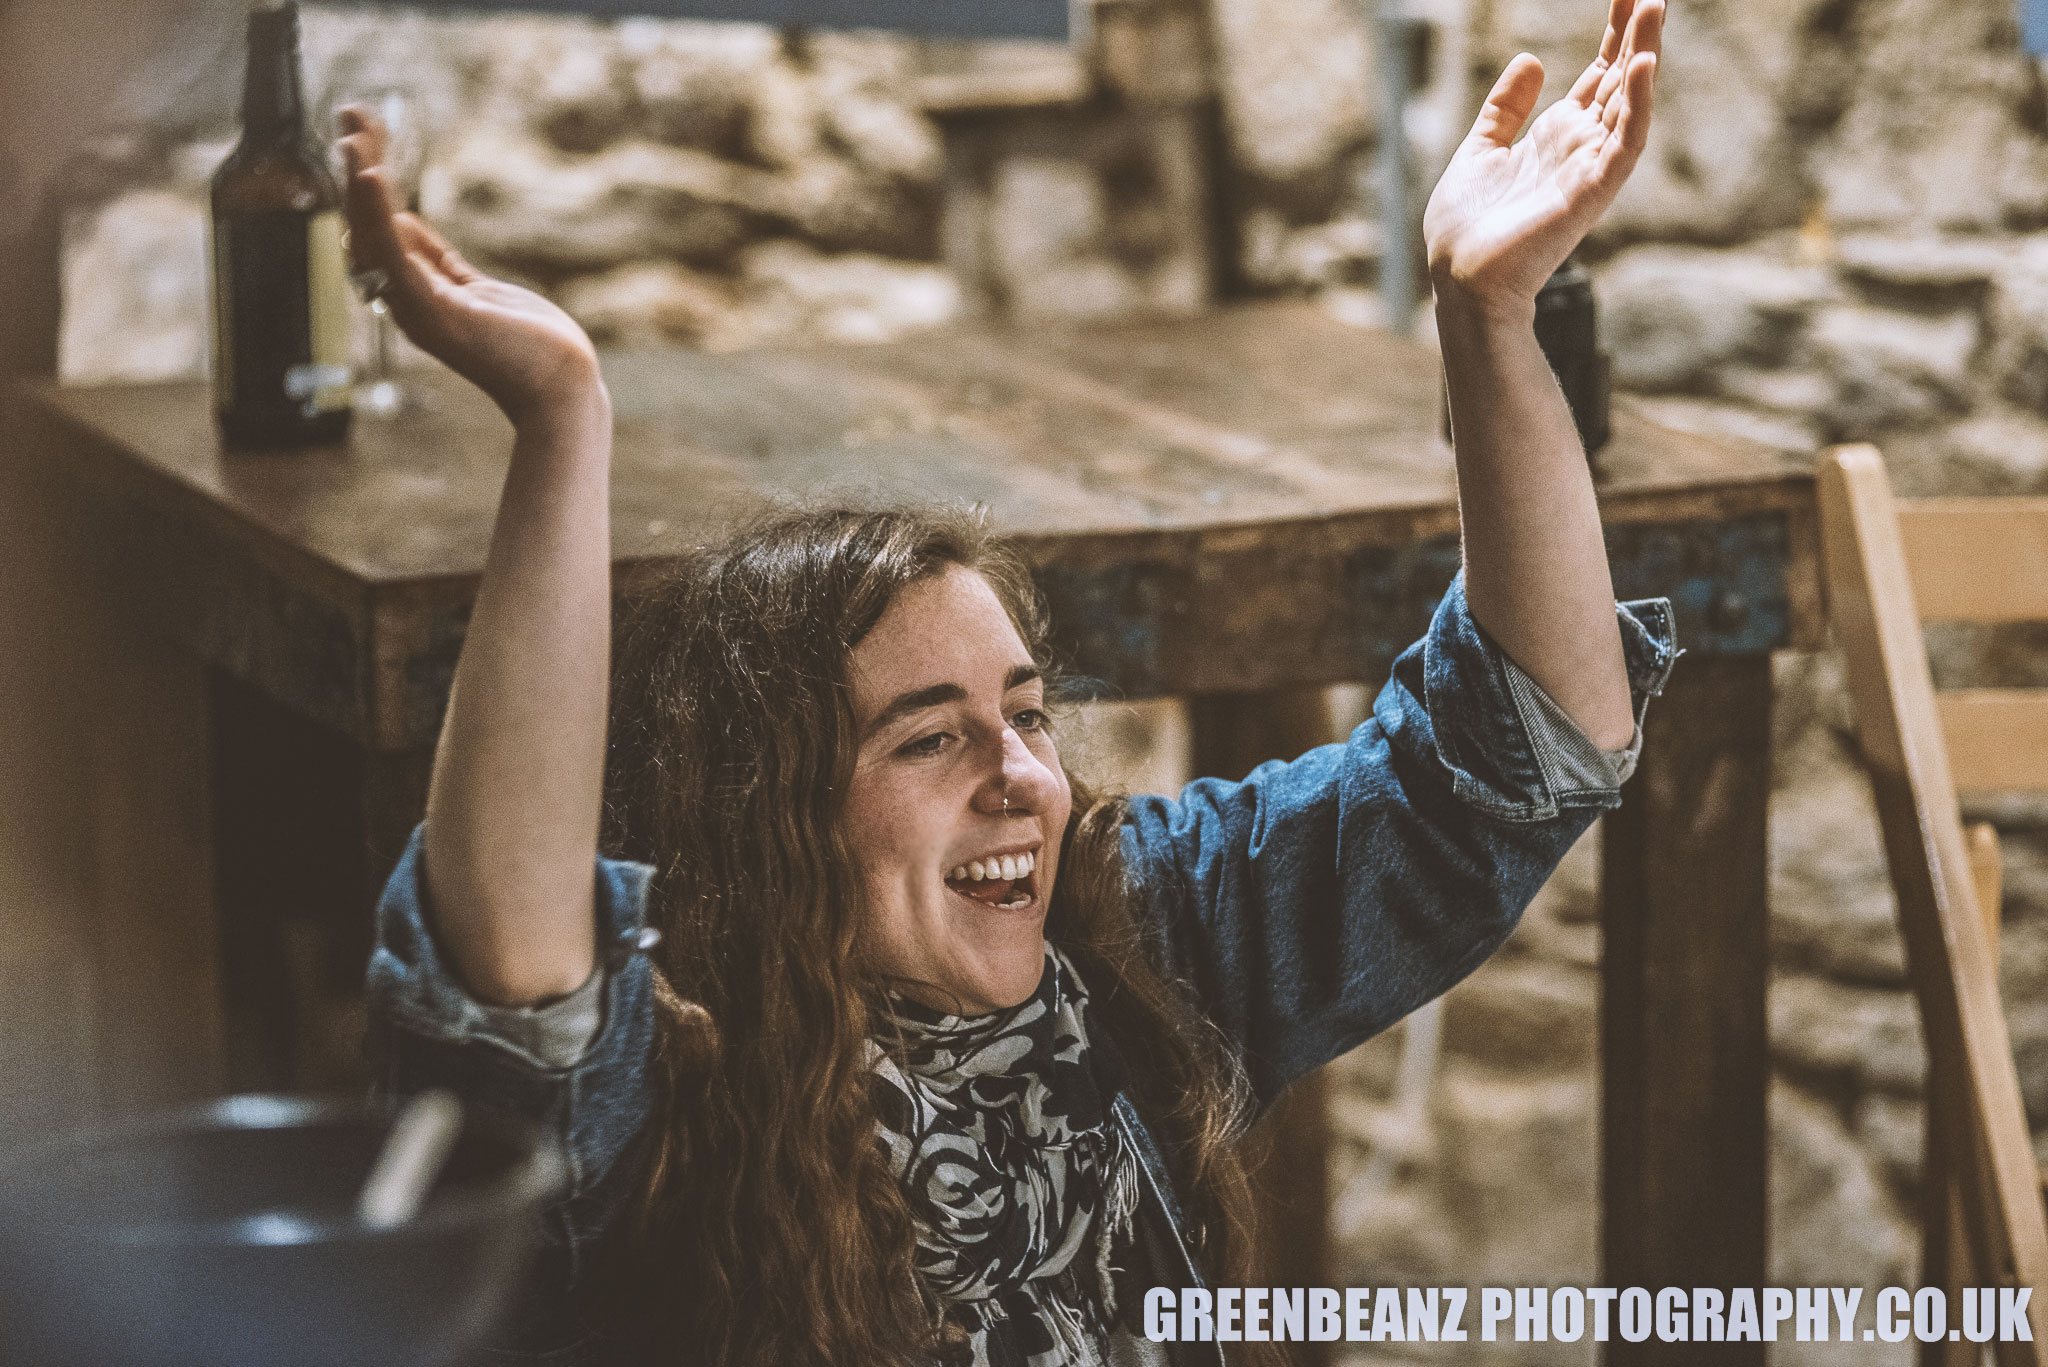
<point x="1890" y="565"/>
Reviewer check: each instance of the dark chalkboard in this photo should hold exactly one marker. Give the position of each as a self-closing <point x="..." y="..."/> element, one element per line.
<point x="965" y="18"/>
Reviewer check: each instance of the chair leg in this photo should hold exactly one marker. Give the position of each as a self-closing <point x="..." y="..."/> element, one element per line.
<point x="1944" y="1243"/>
<point x="1987" y="872"/>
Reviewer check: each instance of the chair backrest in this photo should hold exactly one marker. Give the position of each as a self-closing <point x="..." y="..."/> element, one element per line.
<point x="1988" y="562"/>
<point x="1984" y="560"/>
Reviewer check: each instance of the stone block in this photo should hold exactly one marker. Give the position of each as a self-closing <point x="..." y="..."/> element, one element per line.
<point x="1860" y="1038"/>
<point x="1297" y="86"/>
<point x="699" y="84"/>
<point x="1995" y="450"/>
<point x="784" y="125"/>
<point x="1807" y="396"/>
<point x="1044" y="210"/>
<point x="1833" y="1221"/>
<point x="515" y="200"/>
<point x="1893" y="1131"/>
<point x="1670" y="315"/>
<point x="887" y="137"/>
<point x="578" y="92"/>
<point x="1892" y="369"/>
<point x="794" y="291"/>
<point x="1718" y="418"/>
<point x="647" y="302"/>
<point x="842" y="205"/>
<point x="1048" y="222"/>
<point x="1153" y="54"/>
<point x="1274" y="255"/>
<point x="1924" y="260"/>
<point x="2017" y="318"/>
<point x="347" y="51"/>
<point x="1832" y="909"/>
<point x="1935" y="132"/>
<point x="135" y="291"/>
<point x="1519" y="1173"/>
<point x="1525" y="1015"/>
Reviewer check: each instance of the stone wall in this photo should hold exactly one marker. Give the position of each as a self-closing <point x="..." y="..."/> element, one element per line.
<point x="717" y="185"/>
<point x="1839" y="231"/>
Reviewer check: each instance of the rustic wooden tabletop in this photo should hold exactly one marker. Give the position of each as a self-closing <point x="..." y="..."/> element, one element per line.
<point x="1255" y="499"/>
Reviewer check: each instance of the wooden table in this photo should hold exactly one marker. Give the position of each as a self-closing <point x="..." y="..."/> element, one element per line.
<point x="1245" y="504"/>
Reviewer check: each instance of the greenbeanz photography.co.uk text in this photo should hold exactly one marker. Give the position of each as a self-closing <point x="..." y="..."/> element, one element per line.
<point x="1534" y="1314"/>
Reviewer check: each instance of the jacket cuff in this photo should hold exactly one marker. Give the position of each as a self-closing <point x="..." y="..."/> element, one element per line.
<point x="1511" y="750"/>
<point x="412" y="982"/>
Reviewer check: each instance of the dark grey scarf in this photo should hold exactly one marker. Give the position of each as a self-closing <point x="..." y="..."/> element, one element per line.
<point x="1022" y="1186"/>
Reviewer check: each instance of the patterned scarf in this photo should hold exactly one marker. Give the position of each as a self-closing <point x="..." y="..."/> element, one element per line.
<point x="999" y="1129"/>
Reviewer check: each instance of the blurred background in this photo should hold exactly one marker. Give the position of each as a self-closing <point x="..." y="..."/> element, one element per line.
<point x="1839" y="231"/>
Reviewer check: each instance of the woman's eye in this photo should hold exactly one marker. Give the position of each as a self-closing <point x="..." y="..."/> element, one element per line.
<point x="933" y="744"/>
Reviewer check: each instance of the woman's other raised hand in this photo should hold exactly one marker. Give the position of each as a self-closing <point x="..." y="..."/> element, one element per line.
<point x="1506" y="213"/>
<point x="524" y="352"/>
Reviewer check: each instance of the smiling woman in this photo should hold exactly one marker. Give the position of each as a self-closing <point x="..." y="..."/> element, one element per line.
<point x="957" y="785"/>
<point x="879" y="1039"/>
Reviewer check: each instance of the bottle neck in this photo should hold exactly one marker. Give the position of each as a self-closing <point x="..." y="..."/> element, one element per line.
<point x="273" y="107"/>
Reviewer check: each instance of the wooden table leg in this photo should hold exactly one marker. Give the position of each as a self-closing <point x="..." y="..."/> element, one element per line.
<point x="1289" y="1149"/>
<point x="1684" y="1044"/>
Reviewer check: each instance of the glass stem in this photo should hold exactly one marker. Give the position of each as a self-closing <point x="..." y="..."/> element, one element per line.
<point x="383" y="312"/>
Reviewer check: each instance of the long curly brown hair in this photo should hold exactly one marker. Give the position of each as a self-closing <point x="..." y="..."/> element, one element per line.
<point x="769" y="1231"/>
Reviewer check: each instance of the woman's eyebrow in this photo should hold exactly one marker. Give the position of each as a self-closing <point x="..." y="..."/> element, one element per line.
<point x="903" y="704"/>
<point x="917" y="699"/>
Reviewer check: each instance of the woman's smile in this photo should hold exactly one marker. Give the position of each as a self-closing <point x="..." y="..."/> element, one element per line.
<point x="997" y="880"/>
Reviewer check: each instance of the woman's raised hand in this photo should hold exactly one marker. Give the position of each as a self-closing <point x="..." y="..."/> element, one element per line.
<point x="517" y="347"/>
<point x="1506" y="213"/>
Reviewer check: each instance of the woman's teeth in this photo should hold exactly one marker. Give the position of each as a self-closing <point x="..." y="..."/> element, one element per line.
<point x="1011" y="866"/>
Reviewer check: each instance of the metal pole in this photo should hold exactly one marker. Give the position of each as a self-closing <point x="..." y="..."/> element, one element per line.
<point x="1394" y="38"/>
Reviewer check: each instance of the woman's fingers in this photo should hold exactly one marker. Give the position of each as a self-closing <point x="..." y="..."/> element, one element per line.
<point x="1613" y="52"/>
<point x="1508" y="104"/>
<point x="1637" y="92"/>
<point x="372" y="208"/>
<point x="1645" y="34"/>
<point x="420" y="237"/>
<point x="1618" y="18"/>
<point x="384" y="240"/>
<point x="358" y="121"/>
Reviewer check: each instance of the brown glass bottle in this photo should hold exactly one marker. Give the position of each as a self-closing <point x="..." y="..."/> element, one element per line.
<point x="280" y="273"/>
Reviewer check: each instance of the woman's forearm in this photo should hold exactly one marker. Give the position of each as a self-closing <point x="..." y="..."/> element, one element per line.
<point x="1536" y="571"/>
<point x="513" y="807"/>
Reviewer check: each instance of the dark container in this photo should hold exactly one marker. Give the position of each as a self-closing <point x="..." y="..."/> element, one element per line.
<point x="1567" y="330"/>
<point x="281" y="353"/>
<point x="225" y="1236"/>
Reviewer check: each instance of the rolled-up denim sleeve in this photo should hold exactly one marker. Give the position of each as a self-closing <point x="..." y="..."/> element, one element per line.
<point x="1509" y="748"/>
<point x="575" y="1068"/>
<point x="1318" y="901"/>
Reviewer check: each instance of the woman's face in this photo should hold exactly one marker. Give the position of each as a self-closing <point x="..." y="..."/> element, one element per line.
<point x="958" y="800"/>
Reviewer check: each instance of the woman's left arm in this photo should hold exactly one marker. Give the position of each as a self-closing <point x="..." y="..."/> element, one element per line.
<point x="1502" y="218"/>
<point x="1318" y="901"/>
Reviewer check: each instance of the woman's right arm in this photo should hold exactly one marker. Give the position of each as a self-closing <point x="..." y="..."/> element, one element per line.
<point x="510" y="839"/>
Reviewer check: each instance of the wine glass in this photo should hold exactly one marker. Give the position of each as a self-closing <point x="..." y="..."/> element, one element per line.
<point x="380" y="394"/>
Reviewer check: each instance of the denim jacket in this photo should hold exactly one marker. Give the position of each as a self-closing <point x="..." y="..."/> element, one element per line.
<point x="1306" y="908"/>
